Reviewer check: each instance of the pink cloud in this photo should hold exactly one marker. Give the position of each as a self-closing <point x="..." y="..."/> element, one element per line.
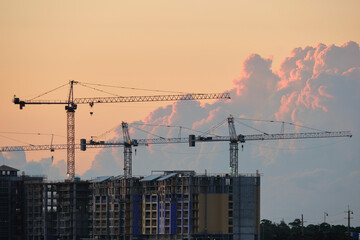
<point x="311" y="86"/>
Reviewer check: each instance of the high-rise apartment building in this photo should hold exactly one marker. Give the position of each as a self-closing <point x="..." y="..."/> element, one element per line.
<point x="176" y="205"/>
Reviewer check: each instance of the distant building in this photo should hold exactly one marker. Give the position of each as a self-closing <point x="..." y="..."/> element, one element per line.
<point x="12" y="202"/>
<point x="57" y="210"/>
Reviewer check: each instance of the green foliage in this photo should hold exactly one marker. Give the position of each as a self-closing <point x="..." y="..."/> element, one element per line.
<point x="294" y="231"/>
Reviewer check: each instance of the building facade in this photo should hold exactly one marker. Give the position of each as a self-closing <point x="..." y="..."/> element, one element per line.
<point x="13" y="202"/>
<point x="176" y="205"/>
<point x="57" y="210"/>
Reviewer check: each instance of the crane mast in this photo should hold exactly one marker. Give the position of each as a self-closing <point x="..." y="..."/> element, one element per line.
<point x="71" y="106"/>
<point x="70" y="114"/>
<point x="127" y="151"/>
<point x="234" y="147"/>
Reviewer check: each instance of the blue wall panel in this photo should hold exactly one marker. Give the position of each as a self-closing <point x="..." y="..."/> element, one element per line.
<point x="173" y="218"/>
<point x="136" y="228"/>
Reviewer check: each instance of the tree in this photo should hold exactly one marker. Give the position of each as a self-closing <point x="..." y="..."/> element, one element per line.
<point x="266" y="230"/>
<point x="282" y="231"/>
<point x="324" y="231"/>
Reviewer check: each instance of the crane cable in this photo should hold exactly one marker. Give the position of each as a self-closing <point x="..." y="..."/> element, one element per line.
<point x="16" y="140"/>
<point x="295" y="148"/>
<point x="99" y="90"/>
<point x="148" y="132"/>
<point x="102" y="135"/>
<point x="30" y="144"/>
<point x="208" y="132"/>
<point x="168" y="126"/>
<point x="188" y="153"/>
<point x="290" y="123"/>
<point x="132" y="88"/>
<point x="84" y="84"/>
<point x="30" y="133"/>
<point x="48" y="92"/>
<point x="251" y="127"/>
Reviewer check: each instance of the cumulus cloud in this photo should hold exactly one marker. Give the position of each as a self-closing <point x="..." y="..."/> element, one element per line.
<point x="45" y="167"/>
<point x="106" y="163"/>
<point x="314" y="86"/>
<point x="319" y="80"/>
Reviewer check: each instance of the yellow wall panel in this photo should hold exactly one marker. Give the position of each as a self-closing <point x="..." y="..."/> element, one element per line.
<point x="213" y="213"/>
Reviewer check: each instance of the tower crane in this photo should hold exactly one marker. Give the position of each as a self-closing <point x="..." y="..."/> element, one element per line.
<point x="71" y="106"/>
<point x="233" y="140"/>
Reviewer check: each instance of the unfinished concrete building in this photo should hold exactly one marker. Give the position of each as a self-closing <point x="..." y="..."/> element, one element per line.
<point x="175" y="205"/>
<point x="115" y="207"/>
<point x="12" y="202"/>
<point x="57" y="210"/>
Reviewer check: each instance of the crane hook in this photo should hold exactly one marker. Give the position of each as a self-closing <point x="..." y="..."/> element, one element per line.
<point x="91" y="105"/>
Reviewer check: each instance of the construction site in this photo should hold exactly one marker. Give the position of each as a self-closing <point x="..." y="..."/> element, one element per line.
<point x="168" y="204"/>
<point x="163" y="205"/>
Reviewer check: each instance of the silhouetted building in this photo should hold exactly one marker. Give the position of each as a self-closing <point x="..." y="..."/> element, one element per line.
<point x="12" y="202"/>
<point x="57" y="210"/>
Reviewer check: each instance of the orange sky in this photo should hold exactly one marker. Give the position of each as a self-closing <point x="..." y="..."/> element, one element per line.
<point x="189" y="46"/>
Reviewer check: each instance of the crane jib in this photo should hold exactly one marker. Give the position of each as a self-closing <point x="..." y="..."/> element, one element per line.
<point x="193" y="96"/>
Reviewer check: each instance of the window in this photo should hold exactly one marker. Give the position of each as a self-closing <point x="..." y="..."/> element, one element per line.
<point x="153" y="206"/>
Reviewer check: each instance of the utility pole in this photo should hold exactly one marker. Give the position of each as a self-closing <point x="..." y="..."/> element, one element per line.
<point x="348" y="217"/>
<point x="302" y="226"/>
<point x="325" y="214"/>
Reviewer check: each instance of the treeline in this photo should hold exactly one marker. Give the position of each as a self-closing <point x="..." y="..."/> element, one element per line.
<point x="294" y="231"/>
